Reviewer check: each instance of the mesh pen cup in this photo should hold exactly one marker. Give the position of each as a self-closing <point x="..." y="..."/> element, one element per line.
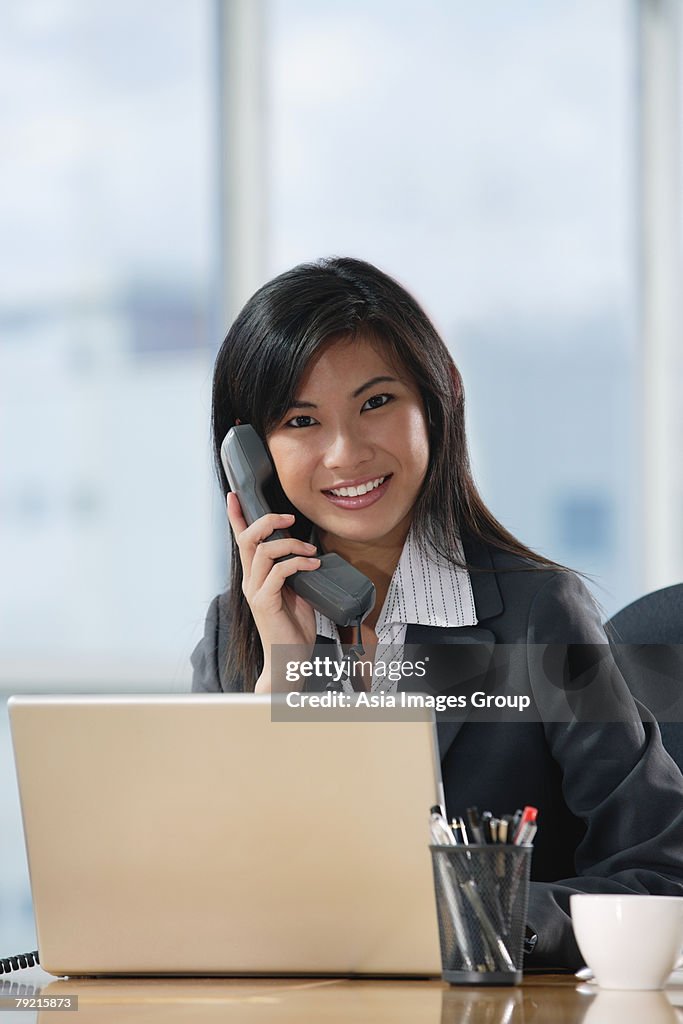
<point x="482" y="894"/>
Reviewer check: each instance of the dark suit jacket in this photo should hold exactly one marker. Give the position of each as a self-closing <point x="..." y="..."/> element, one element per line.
<point x="610" y="799"/>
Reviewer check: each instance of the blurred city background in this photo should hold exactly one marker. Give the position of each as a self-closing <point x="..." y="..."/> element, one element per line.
<point x="515" y="165"/>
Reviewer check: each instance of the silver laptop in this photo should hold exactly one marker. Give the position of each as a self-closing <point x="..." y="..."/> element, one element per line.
<point x="195" y="835"/>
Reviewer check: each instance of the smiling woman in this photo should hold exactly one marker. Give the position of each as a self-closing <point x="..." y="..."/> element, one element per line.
<point x="342" y="374"/>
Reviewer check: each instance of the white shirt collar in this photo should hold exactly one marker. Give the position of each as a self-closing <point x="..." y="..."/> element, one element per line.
<point x="425" y="589"/>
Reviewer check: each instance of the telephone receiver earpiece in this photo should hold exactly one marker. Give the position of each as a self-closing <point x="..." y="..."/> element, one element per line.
<point x="336" y="589"/>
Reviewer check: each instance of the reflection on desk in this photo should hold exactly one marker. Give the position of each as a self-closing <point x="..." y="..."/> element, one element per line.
<point x="542" y="999"/>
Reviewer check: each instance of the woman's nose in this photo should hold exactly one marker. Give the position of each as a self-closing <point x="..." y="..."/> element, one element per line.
<point x="346" y="449"/>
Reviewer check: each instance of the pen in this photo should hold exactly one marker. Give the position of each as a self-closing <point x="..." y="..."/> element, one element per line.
<point x="524" y="836"/>
<point x="474" y="823"/>
<point x="439" y="828"/>
<point x="514" y="825"/>
<point x="493" y="939"/>
<point x="528" y="839"/>
<point x="527" y="827"/>
<point x="457" y="827"/>
<point x="494" y="947"/>
<point x="442" y="835"/>
<point x="505" y="829"/>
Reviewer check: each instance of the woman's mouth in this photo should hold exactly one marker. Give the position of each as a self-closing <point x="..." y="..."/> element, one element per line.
<point x="360" y="495"/>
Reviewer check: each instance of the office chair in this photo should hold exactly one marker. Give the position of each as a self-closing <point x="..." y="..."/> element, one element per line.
<point x="647" y="636"/>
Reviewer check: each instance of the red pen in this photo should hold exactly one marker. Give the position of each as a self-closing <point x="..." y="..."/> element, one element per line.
<point x="526" y="830"/>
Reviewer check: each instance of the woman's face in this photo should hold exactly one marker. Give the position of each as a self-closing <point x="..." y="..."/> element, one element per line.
<point x="352" y="451"/>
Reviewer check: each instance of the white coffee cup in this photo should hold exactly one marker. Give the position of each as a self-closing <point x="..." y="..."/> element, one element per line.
<point x="628" y="941"/>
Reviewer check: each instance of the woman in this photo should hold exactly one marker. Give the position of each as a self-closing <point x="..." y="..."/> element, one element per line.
<point x="341" y="372"/>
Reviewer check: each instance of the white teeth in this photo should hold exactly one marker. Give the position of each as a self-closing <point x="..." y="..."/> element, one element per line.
<point x="353" y="492"/>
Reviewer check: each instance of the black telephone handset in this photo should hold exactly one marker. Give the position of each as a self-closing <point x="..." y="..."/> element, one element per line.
<point x="336" y="589"/>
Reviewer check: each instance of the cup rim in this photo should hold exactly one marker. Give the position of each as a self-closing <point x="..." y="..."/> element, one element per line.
<point x="611" y="897"/>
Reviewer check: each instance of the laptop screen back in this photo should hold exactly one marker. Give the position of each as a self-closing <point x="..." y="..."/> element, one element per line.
<point x="193" y="835"/>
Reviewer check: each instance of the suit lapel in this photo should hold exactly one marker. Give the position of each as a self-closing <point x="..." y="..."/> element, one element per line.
<point x="459" y="659"/>
<point x="475" y="643"/>
<point x="488" y="600"/>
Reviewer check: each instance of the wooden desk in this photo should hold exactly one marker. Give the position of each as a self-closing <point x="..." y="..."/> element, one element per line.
<point x="543" y="999"/>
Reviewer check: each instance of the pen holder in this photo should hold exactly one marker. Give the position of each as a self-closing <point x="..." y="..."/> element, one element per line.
<point x="482" y="894"/>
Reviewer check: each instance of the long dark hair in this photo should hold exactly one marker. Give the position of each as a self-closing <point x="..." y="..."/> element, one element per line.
<point x="261" y="362"/>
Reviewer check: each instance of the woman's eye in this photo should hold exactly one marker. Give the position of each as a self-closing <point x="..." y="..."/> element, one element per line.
<point x="300" y="421"/>
<point x="377" y="401"/>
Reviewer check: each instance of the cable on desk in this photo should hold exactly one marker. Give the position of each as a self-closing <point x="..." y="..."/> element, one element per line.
<point x="18" y="962"/>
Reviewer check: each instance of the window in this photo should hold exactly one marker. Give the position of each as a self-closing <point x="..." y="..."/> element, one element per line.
<point x="106" y="346"/>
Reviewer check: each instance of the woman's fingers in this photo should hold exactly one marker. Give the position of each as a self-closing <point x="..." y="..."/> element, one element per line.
<point x="276" y="578"/>
<point x="260" y="529"/>
<point x="249" y="537"/>
<point x="267" y="554"/>
<point x="259" y="554"/>
<point x="279" y="618"/>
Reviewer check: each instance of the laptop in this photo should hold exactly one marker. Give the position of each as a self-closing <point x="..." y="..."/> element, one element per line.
<point x="195" y="835"/>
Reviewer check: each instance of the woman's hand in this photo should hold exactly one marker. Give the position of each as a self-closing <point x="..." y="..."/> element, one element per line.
<point x="281" y="616"/>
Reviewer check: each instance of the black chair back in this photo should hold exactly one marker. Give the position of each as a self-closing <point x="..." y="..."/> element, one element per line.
<point x="648" y="646"/>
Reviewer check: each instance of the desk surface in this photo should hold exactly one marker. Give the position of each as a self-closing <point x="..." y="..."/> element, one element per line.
<point x="544" y="999"/>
